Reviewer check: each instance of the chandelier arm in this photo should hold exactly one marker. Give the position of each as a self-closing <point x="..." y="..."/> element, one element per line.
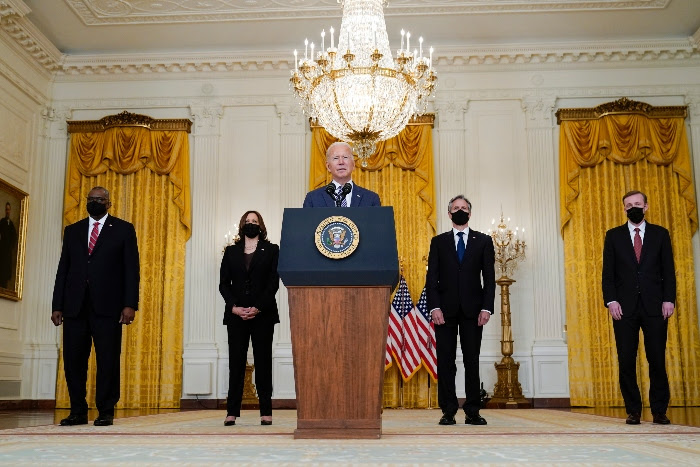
<point x="340" y="112"/>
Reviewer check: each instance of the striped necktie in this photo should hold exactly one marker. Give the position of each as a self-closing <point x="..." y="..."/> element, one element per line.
<point x="93" y="237"/>
<point x="339" y="194"/>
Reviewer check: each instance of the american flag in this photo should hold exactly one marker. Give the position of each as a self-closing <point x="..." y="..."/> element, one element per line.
<point x="394" y="340"/>
<point x="387" y="357"/>
<point x="427" y="336"/>
<point x="410" y="351"/>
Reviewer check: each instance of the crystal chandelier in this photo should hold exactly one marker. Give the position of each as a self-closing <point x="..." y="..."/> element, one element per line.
<point x="356" y="91"/>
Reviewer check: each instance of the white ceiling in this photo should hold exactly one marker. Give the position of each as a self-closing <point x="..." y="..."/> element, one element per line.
<point x="86" y="27"/>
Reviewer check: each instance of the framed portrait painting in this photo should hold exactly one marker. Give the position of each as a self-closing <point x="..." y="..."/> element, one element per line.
<point x="13" y="237"/>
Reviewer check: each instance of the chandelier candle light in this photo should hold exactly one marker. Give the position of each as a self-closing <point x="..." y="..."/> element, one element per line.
<point x="357" y="91"/>
<point x="509" y="250"/>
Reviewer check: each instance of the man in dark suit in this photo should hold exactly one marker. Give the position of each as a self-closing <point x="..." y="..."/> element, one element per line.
<point x="639" y="290"/>
<point x="461" y="288"/>
<point x="340" y="164"/>
<point x="96" y="291"/>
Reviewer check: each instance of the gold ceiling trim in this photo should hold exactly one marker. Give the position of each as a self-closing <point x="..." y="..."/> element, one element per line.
<point x="621" y="106"/>
<point x="128" y="119"/>
<point x="425" y="119"/>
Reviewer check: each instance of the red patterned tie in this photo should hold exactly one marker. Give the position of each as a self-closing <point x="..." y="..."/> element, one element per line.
<point x="637" y="244"/>
<point x="96" y="232"/>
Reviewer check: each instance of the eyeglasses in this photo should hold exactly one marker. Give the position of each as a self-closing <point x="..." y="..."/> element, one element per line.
<point x="99" y="200"/>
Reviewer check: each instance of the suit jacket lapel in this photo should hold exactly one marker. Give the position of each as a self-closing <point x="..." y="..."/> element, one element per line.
<point x="357" y="194"/>
<point x="471" y="240"/>
<point x="626" y="243"/>
<point x="450" y="244"/>
<point x="330" y="202"/>
<point x="84" y="236"/>
<point x="259" y="251"/>
<point x="649" y="239"/>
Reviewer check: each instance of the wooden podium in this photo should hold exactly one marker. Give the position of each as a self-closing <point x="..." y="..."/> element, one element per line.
<point x="339" y="311"/>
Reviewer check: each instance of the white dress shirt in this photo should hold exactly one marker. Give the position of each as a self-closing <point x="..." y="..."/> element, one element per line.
<point x="348" y="197"/>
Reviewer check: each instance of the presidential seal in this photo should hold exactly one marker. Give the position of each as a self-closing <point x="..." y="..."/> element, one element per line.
<point x="337" y="237"/>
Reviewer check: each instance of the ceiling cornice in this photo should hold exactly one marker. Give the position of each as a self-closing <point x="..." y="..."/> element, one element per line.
<point x="27" y="37"/>
<point x="13" y="7"/>
<point x="695" y="39"/>
<point x="653" y="53"/>
<point x="101" y="13"/>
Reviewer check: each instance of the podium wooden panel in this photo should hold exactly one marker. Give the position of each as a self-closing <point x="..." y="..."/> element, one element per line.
<point x="338" y="344"/>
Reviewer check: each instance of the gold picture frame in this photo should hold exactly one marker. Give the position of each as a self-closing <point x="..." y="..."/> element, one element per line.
<point x="13" y="237"/>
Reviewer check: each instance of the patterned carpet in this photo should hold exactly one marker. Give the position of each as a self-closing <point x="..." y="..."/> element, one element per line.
<point x="532" y="437"/>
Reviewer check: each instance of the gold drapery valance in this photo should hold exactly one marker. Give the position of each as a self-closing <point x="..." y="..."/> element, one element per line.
<point x="624" y="132"/>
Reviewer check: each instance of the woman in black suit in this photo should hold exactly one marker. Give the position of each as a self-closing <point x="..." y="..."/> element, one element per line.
<point x="248" y="283"/>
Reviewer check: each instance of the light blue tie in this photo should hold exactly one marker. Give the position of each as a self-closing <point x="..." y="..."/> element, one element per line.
<point x="460" y="246"/>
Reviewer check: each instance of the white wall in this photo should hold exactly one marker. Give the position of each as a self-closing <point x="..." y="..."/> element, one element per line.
<point x="24" y="90"/>
<point x="496" y="141"/>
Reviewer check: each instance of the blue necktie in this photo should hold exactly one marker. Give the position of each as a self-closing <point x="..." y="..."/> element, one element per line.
<point x="460" y="246"/>
<point x="339" y="193"/>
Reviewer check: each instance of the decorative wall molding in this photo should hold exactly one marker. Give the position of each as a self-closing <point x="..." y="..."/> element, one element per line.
<point x="695" y="39"/>
<point x="542" y="56"/>
<point x="693" y="103"/>
<point x="207" y="118"/>
<point x="30" y="39"/>
<point x="104" y="13"/>
<point x="447" y="100"/>
<point x="21" y="84"/>
<point x="13" y="7"/>
<point x="450" y="111"/>
<point x="538" y="111"/>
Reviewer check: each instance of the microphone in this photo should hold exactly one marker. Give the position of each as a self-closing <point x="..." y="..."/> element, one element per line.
<point x="330" y="189"/>
<point x="347" y="188"/>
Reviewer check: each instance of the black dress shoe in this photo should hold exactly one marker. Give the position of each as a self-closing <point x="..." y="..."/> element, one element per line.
<point x="447" y="420"/>
<point x="229" y="422"/>
<point x="475" y="419"/>
<point x="71" y="420"/>
<point x="104" y="420"/>
<point x="266" y="422"/>
<point x="661" y="419"/>
<point x="634" y="418"/>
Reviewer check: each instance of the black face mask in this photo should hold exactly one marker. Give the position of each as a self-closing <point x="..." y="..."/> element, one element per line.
<point x="96" y="209"/>
<point x="251" y="230"/>
<point x="636" y="215"/>
<point x="460" y="217"/>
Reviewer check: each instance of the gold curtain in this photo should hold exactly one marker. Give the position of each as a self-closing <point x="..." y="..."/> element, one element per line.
<point x="602" y="158"/>
<point x="147" y="174"/>
<point x="401" y="172"/>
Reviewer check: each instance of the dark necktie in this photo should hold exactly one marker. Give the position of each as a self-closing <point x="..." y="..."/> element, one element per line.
<point x="637" y="244"/>
<point x="339" y="194"/>
<point x="93" y="237"/>
<point x="460" y="246"/>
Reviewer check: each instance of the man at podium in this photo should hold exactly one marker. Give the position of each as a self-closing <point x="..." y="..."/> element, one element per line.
<point x="341" y="192"/>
